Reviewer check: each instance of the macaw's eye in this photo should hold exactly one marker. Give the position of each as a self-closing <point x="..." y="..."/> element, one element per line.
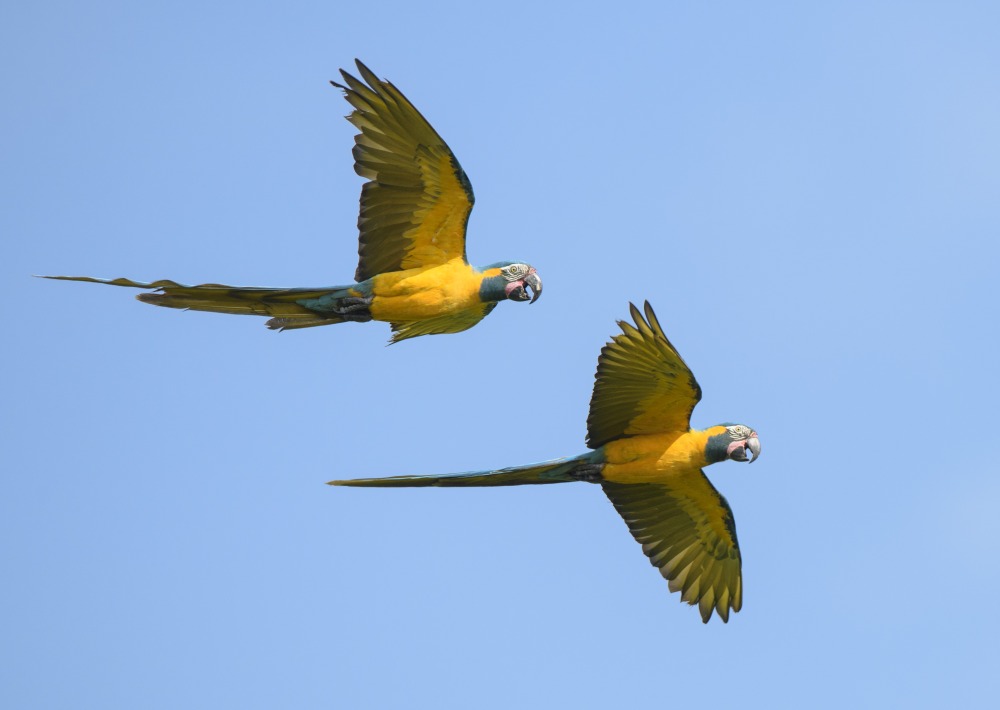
<point x="739" y="431"/>
<point x="515" y="271"/>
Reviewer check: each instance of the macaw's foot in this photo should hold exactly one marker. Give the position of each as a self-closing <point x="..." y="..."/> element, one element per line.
<point x="354" y="309"/>
<point x="589" y="472"/>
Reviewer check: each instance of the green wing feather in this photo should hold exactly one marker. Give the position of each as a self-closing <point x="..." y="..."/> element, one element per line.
<point x="642" y="385"/>
<point x="687" y="531"/>
<point x="416" y="203"/>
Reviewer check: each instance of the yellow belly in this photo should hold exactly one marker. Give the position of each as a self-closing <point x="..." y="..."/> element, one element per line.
<point x="419" y="294"/>
<point x="654" y="457"/>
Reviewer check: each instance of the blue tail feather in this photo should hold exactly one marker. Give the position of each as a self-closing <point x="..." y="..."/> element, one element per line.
<point x="557" y="471"/>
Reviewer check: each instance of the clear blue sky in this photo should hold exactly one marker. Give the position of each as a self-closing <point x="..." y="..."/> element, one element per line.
<point x="808" y="195"/>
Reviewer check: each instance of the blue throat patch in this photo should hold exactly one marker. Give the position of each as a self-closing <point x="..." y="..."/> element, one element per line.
<point x="715" y="449"/>
<point x="492" y="289"/>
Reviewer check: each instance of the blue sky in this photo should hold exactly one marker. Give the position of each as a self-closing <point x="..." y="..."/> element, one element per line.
<point x="807" y="194"/>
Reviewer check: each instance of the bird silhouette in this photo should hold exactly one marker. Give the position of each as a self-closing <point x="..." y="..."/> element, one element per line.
<point x="649" y="461"/>
<point x="412" y="269"/>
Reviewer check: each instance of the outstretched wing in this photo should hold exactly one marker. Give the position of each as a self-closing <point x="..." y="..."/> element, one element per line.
<point x="642" y="384"/>
<point x="416" y="203"/>
<point x="687" y="531"/>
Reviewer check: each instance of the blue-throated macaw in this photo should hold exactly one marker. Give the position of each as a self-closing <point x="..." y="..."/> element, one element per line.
<point x="412" y="271"/>
<point x="649" y="462"/>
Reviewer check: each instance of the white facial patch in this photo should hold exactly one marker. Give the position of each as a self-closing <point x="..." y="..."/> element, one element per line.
<point x="513" y="272"/>
<point x="739" y="431"/>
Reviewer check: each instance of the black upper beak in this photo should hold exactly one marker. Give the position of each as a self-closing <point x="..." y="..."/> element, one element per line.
<point x="533" y="282"/>
<point x="739" y="449"/>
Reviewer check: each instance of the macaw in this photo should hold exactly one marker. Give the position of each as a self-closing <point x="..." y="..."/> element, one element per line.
<point x="412" y="270"/>
<point x="649" y="461"/>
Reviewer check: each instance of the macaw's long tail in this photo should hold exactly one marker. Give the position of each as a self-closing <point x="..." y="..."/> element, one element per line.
<point x="289" y="307"/>
<point x="578" y="468"/>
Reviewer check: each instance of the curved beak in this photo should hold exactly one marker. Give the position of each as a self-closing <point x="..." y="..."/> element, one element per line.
<point x="737" y="450"/>
<point x="518" y="290"/>
<point x="533" y="282"/>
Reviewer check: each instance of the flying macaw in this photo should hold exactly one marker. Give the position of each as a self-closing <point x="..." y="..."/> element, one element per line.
<point x="412" y="271"/>
<point x="649" y="462"/>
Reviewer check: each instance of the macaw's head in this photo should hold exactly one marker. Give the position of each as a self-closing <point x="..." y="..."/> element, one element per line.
<point x="733" y="442"/>
<point x="510" y="280"/>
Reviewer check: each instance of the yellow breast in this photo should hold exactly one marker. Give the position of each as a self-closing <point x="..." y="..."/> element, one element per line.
<point x="655" y="457"/>
<point x="418" y="294"/>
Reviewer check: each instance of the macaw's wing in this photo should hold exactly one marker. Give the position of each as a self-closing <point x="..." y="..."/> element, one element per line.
<point x="416" y="203"/>
<point x="642" y="384"/>
<point x="687" y="531"/>
<point x="451" y="323"/>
